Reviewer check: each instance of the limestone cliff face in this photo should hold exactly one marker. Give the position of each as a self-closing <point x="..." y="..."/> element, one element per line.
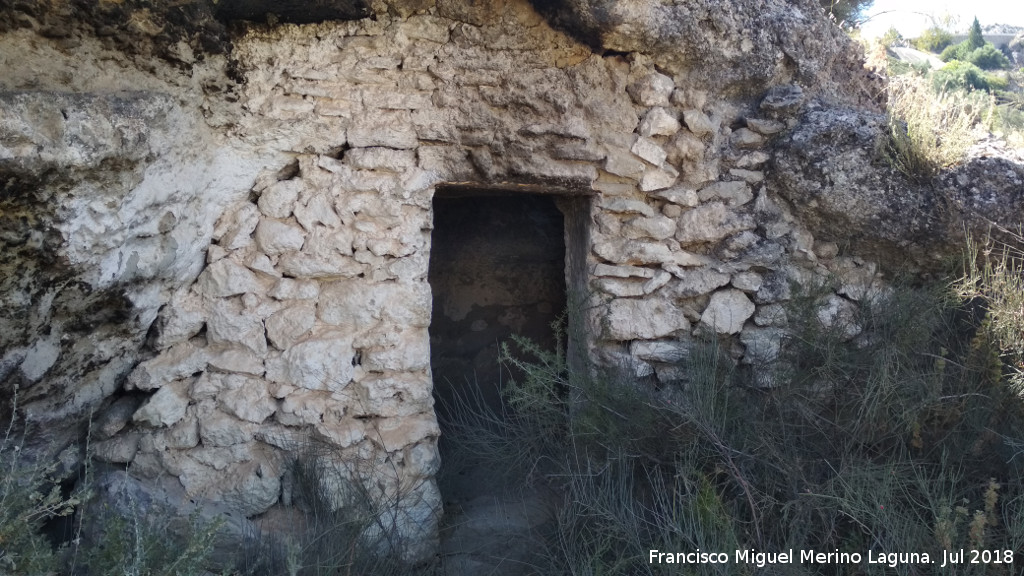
<point x="216" y="237"/>
<point x="738" y="49"/>
<point x="830" y="170"/>
<point x="105" y="202"/>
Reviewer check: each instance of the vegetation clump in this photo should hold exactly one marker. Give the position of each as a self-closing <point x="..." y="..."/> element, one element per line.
<point x="986" y="56"/>
<point x="132" y="542"/>
<point x="337" y="525"/>
<point x="966" y="60"/>
<point x="973" y="93"/>
<point x="29" y="497"/>
<point x="934" y="39"/>
<point x="143" y="543"/>
<point x="907" y="437"/>
<point x="928" y="132"/>
<point x="846" y="12"/>
<point x="960" y="75"/>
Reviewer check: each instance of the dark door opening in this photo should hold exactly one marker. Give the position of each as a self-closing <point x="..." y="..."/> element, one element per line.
<point x="497" y="268"/>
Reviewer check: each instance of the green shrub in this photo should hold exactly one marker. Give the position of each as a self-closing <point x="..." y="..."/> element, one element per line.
<point x="988" y="57"/>
<point x="29" y="496"/>
<point x="995" y="275"/>
<point x="960" y="75"/>
<point x="25" y="504"/>
<point x="934" y="39"/>
<point x="133" y="544"/>
<point x="956" y="52"/>
<point x="143" y="543"/>
<point x="1008" y="118"/>
<point x="996" y="82"/>
<point x="891" y="36"/>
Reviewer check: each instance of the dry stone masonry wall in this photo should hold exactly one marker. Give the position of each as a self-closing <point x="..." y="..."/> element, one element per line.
<point x="308" y="318"/>
<point x="312" y="311"/>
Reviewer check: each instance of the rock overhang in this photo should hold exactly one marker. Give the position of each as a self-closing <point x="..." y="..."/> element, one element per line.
<point x="291" y="11"/>
<point x="739" y="49"/>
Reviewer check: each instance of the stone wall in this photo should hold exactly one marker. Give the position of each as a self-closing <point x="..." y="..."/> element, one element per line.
<point x="308" y="318"/>
<point x="311" y="314"/>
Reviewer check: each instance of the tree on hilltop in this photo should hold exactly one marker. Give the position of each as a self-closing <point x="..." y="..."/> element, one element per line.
<point x="974" y="37"/>
<point x="846" y="12"/>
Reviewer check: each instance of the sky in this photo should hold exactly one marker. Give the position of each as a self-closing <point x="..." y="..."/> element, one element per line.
<point x="910" y="16"/>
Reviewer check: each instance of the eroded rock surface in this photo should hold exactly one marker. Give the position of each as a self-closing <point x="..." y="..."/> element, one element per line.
<point x="832" y="171"/>
<point x="108" y="200"/>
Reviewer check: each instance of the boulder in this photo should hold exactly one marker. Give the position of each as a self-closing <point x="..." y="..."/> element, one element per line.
<point x="830" y="171"/>
<point x="653" y="89"/>
<point x="322" y="363"/>
<point x="166" y="406"/>
<point x="731" y="193"/>
<point x="727" y="311"/>
<point x="658" y="122"/>
<point x="287" y="326"/>
<point x="274" y="237"/>
<point x="226" y="278"/>
<point x="699" y="123"/>
<point x="710" y="223"/>
<point x="278" y="200"/>
<point x="647" y="319"/>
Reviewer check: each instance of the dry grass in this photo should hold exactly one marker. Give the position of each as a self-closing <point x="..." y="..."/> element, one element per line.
<point x="907" y="438"/>
<point x="930" y="132"/>
<point x="995" y="276"/>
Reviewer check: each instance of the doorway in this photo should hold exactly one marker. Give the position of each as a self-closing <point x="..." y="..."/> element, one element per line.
<point x="501" y="264"/>
<point x="497" y="269"/>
